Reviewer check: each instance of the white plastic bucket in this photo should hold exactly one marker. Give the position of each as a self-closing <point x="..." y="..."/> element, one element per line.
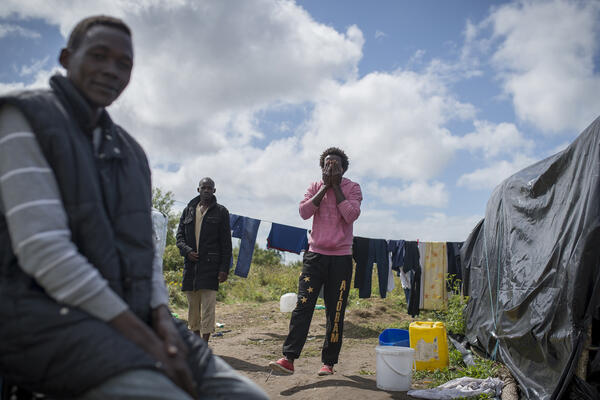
<point x="395" y="365"/>
<point x="287" y="302"/>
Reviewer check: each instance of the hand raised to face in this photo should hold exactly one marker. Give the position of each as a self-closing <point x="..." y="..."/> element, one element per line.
<point x="335" y="172"/>
<point x="332" y="170"/>
<point x="326" y="175"/>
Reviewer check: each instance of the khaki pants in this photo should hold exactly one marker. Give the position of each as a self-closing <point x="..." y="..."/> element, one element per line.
<point x="201" y="311"/>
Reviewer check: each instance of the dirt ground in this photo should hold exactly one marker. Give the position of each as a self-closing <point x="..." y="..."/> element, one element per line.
<point x="253" y="335"/>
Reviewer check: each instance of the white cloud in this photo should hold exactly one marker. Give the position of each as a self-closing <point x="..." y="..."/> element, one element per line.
<point x="380" y="34"/>
<point x="203" y="73"/>
<point x="16" y="30"/>
<point x="488" y="177"/>
<point x="494" y="139"/>
<point x="40" y="81"/>
<point x="34" y="68"/>
<point x="558" y="148"/>
<point x="415" y="193"/>
<point x="545" y="61"/>
<point x="392" y="125"/>
<point x="199" y="64"/>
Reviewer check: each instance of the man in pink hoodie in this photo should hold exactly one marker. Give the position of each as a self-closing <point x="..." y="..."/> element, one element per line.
<point x="334" y="204"/>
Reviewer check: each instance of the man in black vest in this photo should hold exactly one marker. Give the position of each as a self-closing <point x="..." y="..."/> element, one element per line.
<point x="204" y="239"/>
<point x="83" y="305"/>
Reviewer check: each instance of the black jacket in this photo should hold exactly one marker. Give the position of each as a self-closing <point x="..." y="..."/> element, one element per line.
<point x="214" y="245"/>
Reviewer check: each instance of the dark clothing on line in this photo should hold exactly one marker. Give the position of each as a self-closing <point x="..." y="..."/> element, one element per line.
<point x="396" y="247"/>
<point x="287" y="238"/>
<point x="411" y="256"/>
<point x="360" y="254"/>
<point x="366" y="252"/>
<point x="214" y="245"/>
<point x="246" y="229"/>
<point x="454" y="265"/>
<point x="412" y="263"/>
<point x="335" y="273"/>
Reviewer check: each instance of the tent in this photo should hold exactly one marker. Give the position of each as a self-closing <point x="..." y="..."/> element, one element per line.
<point x="532" y="270"/>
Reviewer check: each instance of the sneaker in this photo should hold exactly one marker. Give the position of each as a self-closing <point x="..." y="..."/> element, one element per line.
<point x="326" y="370"/>
<point x="282" y="365"/>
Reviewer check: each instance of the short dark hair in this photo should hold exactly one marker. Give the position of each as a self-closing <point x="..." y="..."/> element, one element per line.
<point x="78" y="33"/>
<point x="338" y="152"/>
<point x="206" y="178"/>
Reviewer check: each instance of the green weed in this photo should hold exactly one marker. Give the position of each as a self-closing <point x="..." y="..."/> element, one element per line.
<point x="483" y="369"/>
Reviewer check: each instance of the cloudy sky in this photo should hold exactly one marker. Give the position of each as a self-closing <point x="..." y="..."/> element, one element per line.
<point x="435" y="102"/>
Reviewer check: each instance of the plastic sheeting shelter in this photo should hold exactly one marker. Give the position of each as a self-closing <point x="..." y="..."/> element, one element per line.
<point x="531" y="269"/>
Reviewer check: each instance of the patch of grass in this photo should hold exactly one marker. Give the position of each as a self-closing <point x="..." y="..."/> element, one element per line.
<point x="452" y="317"/>
<point x="366" y="372"/>
<point x="483" y="369"/>
<point x="264" y="283"/>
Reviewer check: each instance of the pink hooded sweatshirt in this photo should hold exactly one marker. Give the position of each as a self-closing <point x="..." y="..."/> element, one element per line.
<point x="332" y="223"/>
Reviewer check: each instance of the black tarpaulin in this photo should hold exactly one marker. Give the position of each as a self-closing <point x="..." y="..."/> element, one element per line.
<point x="531" y="268"/>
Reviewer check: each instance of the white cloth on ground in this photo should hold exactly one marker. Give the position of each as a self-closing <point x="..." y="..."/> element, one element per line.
<point x="461" y="388"/>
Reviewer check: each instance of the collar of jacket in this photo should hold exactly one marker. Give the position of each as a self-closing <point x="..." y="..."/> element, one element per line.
<point x="194" y="202"/>
<point x="79" y="107"/>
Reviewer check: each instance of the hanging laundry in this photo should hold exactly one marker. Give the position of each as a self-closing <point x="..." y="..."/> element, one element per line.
<point x="396" y="248"/>
<point x="405" y="281"/>
<point x="412" y="264"/>
<point x="454" y="265"/>
<point x="360" y="254"/>
<point x="244" y="228"/>
<point x="391" y="283"/>
<point x="366" y="252"/>
<point x="422" y="248"/>
<point x="287" y="238"/>
<point x="434" y="276"/>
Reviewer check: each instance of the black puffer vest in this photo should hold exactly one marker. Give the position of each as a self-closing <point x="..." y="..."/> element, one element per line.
<point x="107" y="196"/>
<point x="45" y="346"/>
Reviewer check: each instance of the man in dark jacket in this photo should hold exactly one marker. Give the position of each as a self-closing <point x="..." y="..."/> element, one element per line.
<point x="83" y="305"/>
<point x="204" y="239"/>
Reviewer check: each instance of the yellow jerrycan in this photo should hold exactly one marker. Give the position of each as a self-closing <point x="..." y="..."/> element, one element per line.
<point x="430" y="343"/>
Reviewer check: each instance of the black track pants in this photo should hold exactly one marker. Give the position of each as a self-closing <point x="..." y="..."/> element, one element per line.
<point x="335" y="273"/>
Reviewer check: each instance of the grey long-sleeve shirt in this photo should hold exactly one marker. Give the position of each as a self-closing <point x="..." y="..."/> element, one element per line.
<point x="37" y="224"/>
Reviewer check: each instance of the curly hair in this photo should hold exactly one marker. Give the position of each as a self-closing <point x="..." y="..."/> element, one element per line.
<point x="335" y="151"/>
<point x="78" y="33"/>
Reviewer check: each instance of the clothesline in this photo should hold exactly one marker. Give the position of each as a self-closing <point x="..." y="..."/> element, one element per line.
<point x="261" y="219"/>
<point x="273" y="222"/>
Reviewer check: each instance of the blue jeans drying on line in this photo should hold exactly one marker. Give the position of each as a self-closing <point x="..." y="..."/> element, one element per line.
<point x="244" y="228"/>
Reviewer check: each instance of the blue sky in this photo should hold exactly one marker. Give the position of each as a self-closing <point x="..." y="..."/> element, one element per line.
<point x="435" y="102"/>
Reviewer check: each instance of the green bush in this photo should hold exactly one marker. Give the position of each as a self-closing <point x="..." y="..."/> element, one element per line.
<point x="173" y="279"/>
<point x="453" y="316"/>
<point x="172" y="260"/>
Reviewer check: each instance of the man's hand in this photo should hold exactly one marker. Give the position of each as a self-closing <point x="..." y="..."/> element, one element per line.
<point x="336" y="174"/>
<point x="193" y="256"/>
<point x="170" y="357"/>
<point x="174" y="346"/>
<point x="223" y="276"/>
<point x="163" y="325"/>
<point x="326" y="177"/>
